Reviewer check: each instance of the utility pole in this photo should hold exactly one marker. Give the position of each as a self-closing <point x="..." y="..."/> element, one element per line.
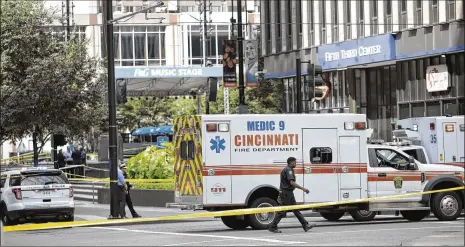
<point x="112" y="131"/>
<point x="243" y="109"/>
<point x="68" y="25"/>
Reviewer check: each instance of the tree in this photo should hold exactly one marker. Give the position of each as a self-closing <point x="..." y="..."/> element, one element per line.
<point x="48" y="85"/>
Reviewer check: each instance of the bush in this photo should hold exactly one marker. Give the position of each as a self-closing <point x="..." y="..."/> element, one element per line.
<point x="150" y="186"/>
<point x="152" y="163"/>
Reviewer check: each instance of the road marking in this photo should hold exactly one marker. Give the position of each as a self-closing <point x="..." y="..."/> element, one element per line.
<point x="449" y="222"/>
<point x="201" y="235"/>
<point x="198" y="242"/>
<point x="372" y="230"/>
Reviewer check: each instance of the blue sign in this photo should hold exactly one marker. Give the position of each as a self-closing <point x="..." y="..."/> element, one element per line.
<point x="217" y="144"/>
<point x="162" y="139"/>
<point x="168" y="72"/>
<point x="355" y="52"/>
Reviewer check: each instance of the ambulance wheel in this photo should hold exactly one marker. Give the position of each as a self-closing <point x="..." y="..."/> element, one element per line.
<point x="446" y="206"/>
<point x="332" y="216"/>
<point x="262" y="221"/>
<point x="234" y="223"/>
<point x="416" y="215"/>
<point x="362" y="215"/>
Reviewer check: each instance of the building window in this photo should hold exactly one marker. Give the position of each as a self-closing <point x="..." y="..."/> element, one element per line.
<point x="323" y="22"/>
<point x="299" y="24"/>
<point x="388" y="17"/>
<point x="361" y="25"/>
<point x="418" y="13"/>
<point x="450" y="10"/>
<point x="193" y="36"/>
<point x="268" y="26"/>
<point x="311" y="26"/>
<point x="279" y="43"/>
<point x="348" y="27"/>
<point x="335" y="21"/>
<point x="289" y="25"/>
<point x="374" y="17"/>
<point x="321" y="155"/>
<point x="434" y="12"/>
<point x="403" y="14"/>
<point x="139" y="45"/>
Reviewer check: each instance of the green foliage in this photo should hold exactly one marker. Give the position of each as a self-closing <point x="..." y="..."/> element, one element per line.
<point x="150" y="186"/>
<point x="153" y="163"/>
<point x="48" y="85"/>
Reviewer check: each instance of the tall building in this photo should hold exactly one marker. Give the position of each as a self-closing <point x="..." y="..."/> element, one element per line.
<point x="389" y="59"/>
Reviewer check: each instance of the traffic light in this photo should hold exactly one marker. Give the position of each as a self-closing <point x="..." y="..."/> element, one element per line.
<point x="59" y="140"/>
<point x="318" y="87"/>
<point x="121" y="91"/>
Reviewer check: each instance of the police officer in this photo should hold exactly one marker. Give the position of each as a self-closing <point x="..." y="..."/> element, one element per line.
<point x="286" y="196"/>
<point x="128" y="194"/>
<point x="122" y="186"/>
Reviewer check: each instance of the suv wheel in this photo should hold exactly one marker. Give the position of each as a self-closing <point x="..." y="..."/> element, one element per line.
<point x="5" y="219"/>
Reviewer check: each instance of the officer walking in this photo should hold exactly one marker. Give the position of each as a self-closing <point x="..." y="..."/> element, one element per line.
<point x="128" y="194"/>
<point x="286" y="196"/>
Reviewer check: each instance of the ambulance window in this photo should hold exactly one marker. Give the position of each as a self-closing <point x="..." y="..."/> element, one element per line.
<point x="187" y="150"/>
<point x="184" y="150"/>
<point x="190" y="150"/>
<point x="321" y="155"/>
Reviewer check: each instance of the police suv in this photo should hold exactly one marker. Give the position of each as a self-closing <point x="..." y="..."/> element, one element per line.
<point x="34" y="194"/>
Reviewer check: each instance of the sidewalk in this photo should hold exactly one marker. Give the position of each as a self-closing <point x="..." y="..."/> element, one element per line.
<point x="89" y="211"/>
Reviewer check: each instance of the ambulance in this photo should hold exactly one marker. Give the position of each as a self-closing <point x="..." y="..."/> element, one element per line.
<point x="442" y="137"/>
<point x="234" y="161"/>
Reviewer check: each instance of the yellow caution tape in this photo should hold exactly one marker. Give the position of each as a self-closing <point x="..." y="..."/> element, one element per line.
<point x="235" y="212"/>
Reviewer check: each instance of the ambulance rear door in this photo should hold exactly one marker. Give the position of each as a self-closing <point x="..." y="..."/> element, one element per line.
<point x="217" y="170"/>
<point x="450" y="137"/>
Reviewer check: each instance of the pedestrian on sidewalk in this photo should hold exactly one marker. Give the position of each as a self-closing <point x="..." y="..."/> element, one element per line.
<point x="128" y="194"/>
<point x="286" y="196"/>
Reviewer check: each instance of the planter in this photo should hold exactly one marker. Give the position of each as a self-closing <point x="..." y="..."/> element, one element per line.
<point x="141" y="197"/>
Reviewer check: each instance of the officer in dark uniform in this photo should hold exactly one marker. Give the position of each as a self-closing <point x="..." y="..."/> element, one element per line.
<point x="286" y="196"/>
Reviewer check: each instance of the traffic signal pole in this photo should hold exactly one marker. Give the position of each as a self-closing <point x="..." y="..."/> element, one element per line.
<point x="112" y="130"/>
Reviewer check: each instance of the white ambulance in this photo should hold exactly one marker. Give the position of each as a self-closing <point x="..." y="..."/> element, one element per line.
<point x="442" y="137"/>
<point x="234" y="161"/>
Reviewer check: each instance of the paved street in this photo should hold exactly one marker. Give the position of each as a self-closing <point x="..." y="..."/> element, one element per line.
<point x="384" y="230"/>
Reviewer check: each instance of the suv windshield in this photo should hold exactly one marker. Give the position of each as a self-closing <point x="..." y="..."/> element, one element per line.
<point x="39" y="179"/>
